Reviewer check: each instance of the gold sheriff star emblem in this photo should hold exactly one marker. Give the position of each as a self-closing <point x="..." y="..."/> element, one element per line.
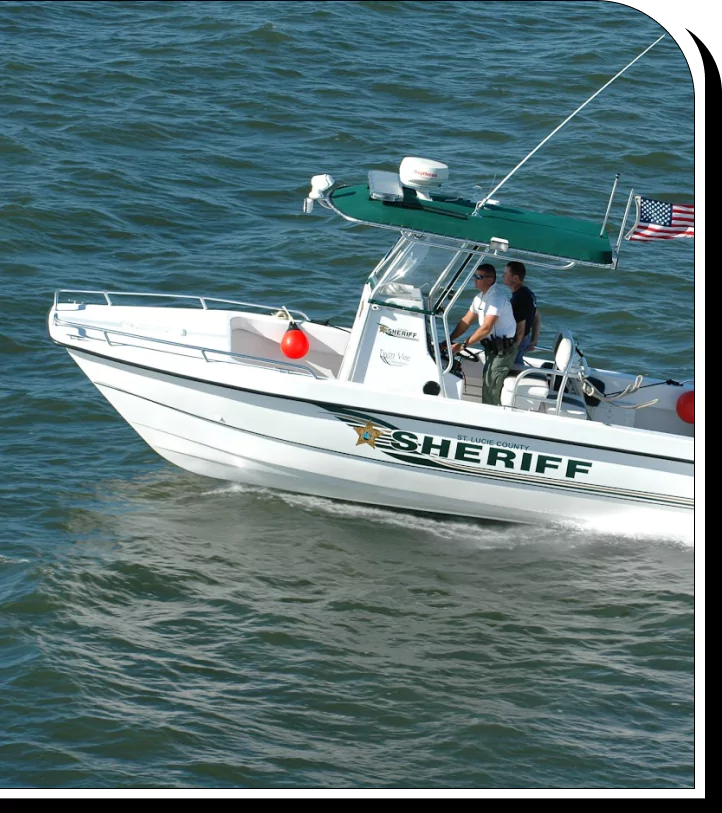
<point x="367" y="434"/>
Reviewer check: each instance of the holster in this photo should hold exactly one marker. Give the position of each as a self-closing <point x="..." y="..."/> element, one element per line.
<point x="496" y="345"/>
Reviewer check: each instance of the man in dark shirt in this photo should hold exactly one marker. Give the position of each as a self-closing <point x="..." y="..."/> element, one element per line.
<point x="526" y="313"/>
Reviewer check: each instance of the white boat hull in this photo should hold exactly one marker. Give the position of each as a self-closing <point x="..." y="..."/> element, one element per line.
<point x="310" y="437"/>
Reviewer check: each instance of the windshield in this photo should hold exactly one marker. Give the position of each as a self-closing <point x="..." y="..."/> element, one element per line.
<point x="419" y="276"/>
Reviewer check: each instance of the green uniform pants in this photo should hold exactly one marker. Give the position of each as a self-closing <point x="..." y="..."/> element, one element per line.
<point x="496" y="369"/>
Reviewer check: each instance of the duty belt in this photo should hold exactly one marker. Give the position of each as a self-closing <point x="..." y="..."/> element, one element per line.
<point x="497" y="345"/>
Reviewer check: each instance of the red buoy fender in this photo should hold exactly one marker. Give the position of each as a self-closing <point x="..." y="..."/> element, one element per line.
<point x="294" y="344"/>
<point x="685" y="406"/>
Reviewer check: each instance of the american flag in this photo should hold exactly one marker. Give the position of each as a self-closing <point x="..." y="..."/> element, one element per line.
<point x="657" y="220"/>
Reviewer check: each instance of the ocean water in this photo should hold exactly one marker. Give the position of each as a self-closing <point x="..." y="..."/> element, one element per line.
<point x="161" y="632"/>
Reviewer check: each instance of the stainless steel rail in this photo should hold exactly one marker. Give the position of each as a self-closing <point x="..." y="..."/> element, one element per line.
<point x="278" y="366"/>
<point x="203" y="300"/>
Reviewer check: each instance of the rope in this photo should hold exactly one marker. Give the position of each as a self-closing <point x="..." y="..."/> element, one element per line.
<point x="589" y="389"/>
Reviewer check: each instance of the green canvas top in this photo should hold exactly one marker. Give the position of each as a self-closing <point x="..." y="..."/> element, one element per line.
<point x="545" y="235"/>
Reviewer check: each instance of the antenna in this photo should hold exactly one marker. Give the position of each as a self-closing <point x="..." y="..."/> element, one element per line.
<point x="493" y="181"/>
<point x="559" y="127"/>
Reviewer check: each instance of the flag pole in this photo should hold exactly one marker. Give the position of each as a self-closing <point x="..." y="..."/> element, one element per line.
<point x="559" y="127"/>
<point x="623" y="227"/>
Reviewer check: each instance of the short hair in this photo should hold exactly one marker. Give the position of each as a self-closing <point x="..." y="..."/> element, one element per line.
<point x="487" y="267"/>
<point x="518" y="269"/>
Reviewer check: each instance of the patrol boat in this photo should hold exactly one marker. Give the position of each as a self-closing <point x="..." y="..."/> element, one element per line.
<point x="376" y="413"/>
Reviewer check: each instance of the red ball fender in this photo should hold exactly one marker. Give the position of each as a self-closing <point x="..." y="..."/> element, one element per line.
<point x="685" y="406"/>
<point x="294" y="344"/>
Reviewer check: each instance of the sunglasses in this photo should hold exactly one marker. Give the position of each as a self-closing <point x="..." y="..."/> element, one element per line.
<point x="483" y="276"/>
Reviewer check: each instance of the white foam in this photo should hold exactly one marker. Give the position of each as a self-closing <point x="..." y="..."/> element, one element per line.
<point x="663" y="529"/>
<point x="494" y="535"/>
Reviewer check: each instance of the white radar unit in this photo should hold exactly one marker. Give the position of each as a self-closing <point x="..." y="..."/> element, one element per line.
<point x="423" y="175"/>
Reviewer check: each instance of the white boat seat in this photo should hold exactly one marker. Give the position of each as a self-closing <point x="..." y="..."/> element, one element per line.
<point x="539" y="391"/>
<point x="530" y="391"/>
<point x="563" y="349"/>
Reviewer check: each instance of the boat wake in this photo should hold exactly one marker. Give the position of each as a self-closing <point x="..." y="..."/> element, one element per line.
<point x="668" y="530"/>
<point x="496" y="534"/>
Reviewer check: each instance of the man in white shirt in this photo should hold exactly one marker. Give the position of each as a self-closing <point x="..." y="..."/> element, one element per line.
<point x="496" y="332"/>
